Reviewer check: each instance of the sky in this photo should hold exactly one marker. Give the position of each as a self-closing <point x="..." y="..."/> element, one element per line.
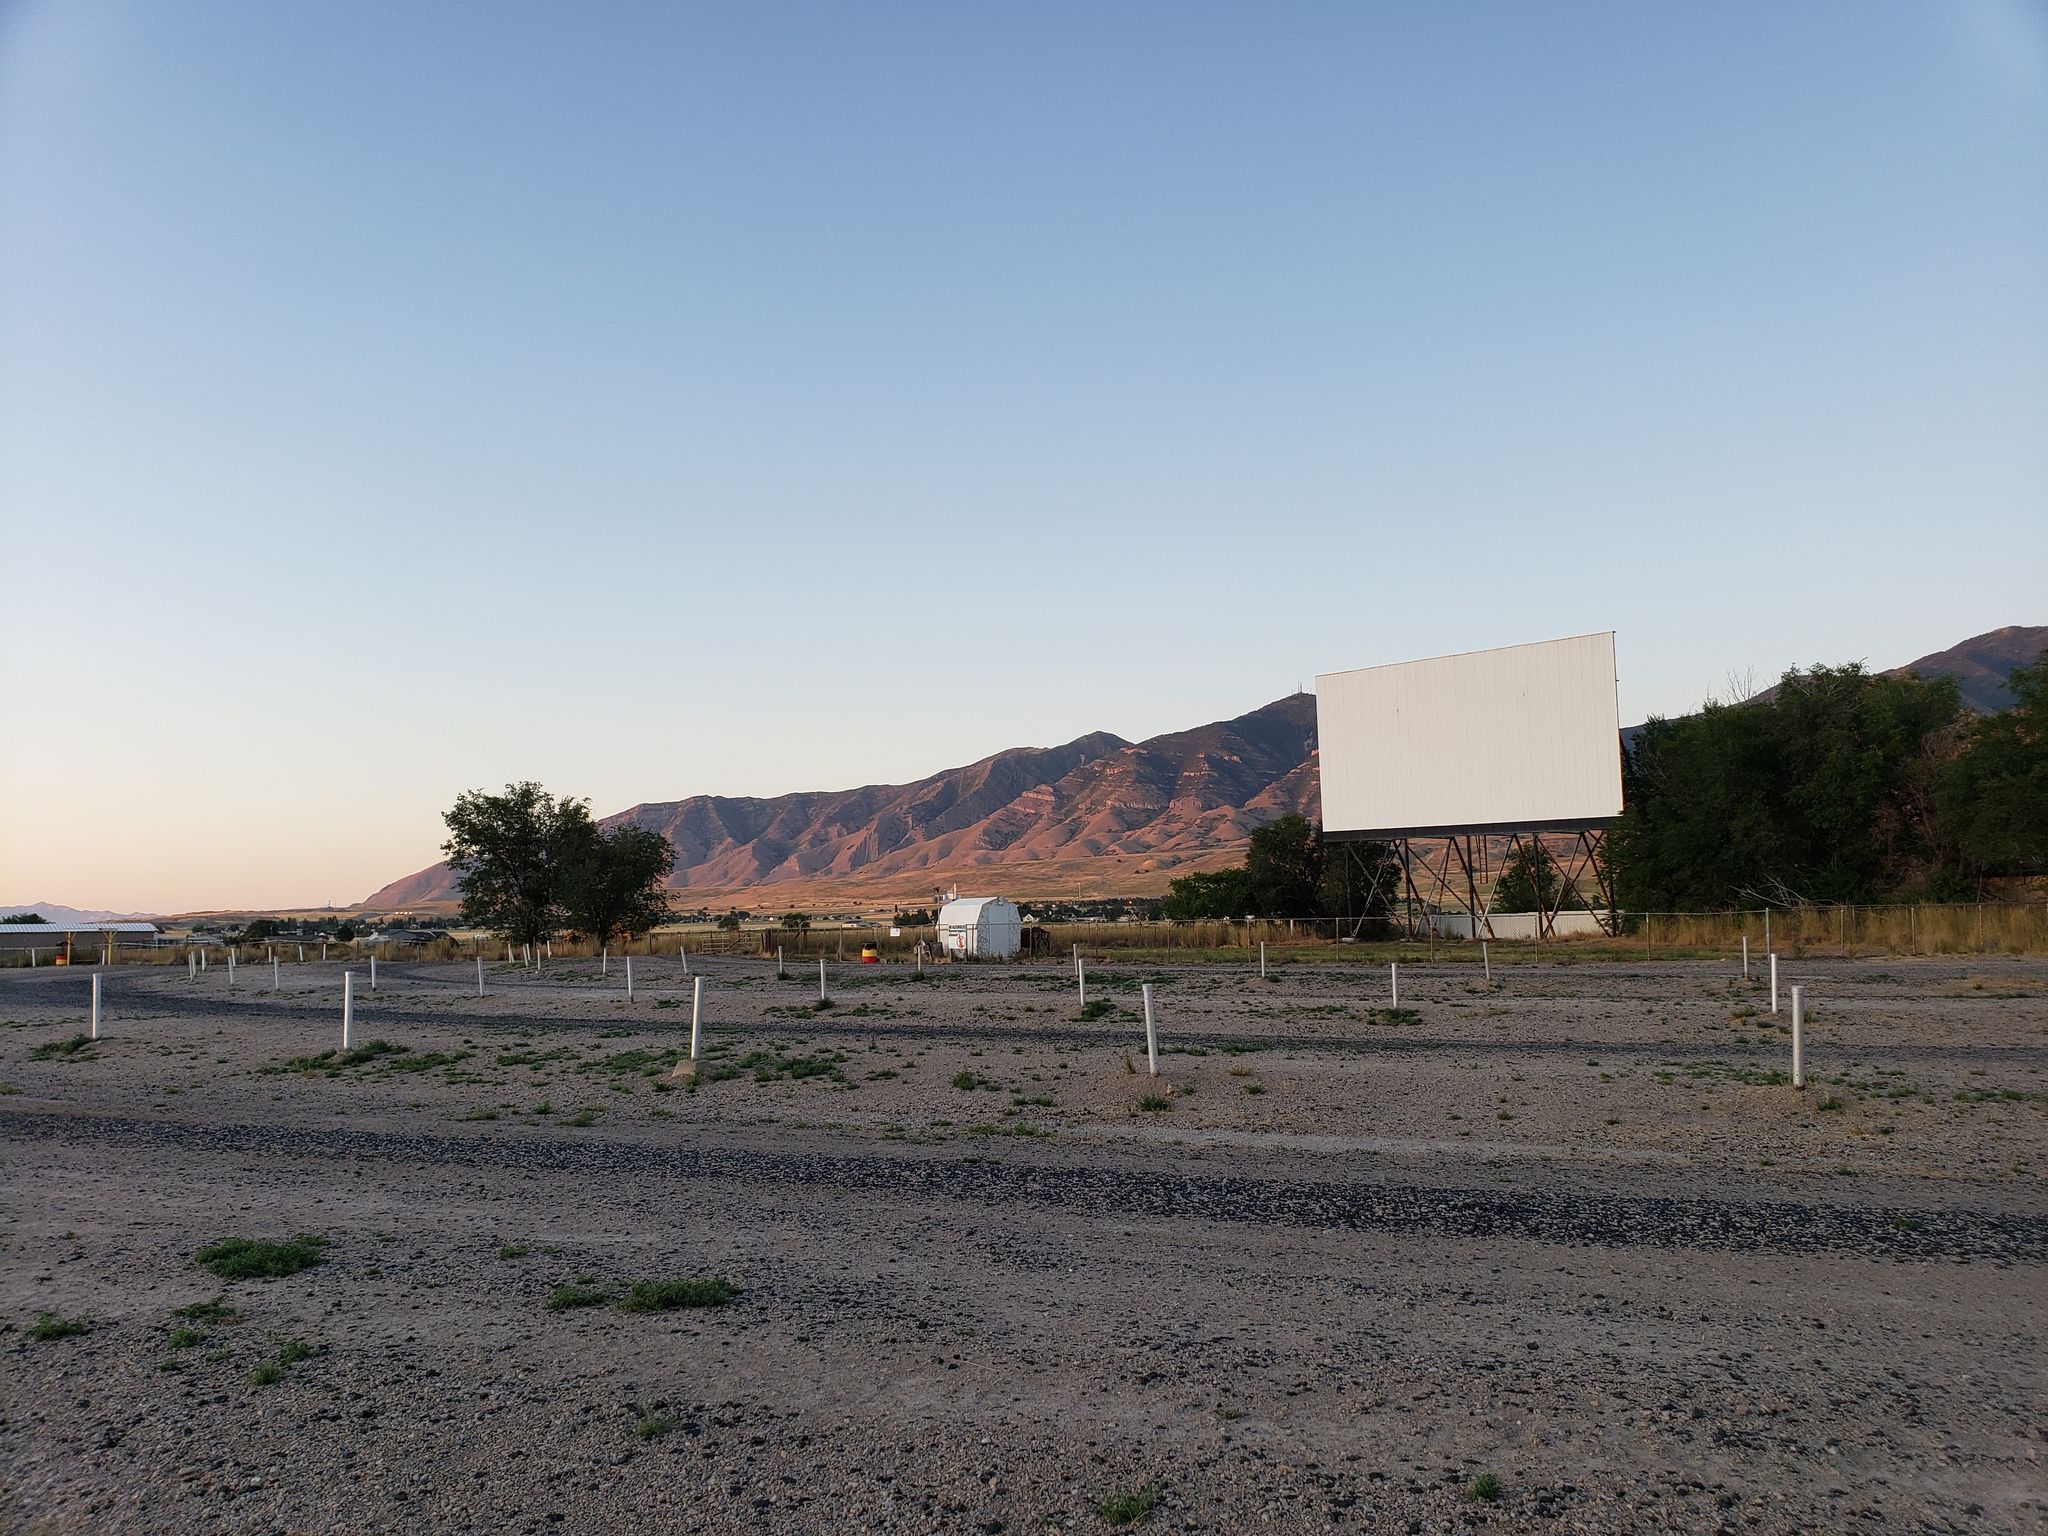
<point x="650" y="400"/>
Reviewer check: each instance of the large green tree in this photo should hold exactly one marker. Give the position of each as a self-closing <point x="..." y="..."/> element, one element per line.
<point x="1214" y="893"/>
<point x="1285" y="864"/>
<point x="615" y="884"/>
<point x="1824" y="793"/>
<point x="1361" y="881"/>
<point x="512" y="855"/>
<point x="1529" y="882"/>
<point x="1993" y="798"/>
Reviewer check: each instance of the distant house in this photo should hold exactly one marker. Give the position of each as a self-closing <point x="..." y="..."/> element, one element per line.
<point x="980" y="928"/>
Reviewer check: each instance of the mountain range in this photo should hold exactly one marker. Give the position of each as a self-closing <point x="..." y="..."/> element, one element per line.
<point x="51" y="912"/>
<point x="1098" y="816"/>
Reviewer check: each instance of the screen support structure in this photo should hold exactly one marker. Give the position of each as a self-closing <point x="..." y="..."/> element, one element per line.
<point x="1461" y="871"/>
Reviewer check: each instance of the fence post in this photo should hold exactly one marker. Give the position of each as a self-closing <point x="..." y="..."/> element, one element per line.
<point x="1774" y="984"/>
<point x="373" y="970"/>
<point x="1262" y="959"/>
<point x="231" y="968"/>
<point x="696" y="1012"/>
<point x="822" y="997"/>
<point x="1080" y="976"/>
<point x="1798" y="1037"/>
<point x="778" y="962"/>
<point x="1486" y="962"/>
<point x="95" y="1005"/>
<point x="273" y="973"/>
<point x="629" y="978"/>
<point x="1394" y="982"/>
<point x="348" y="1005"/>
<point x="1151" y="1035"/>
<point x="479" y="975"/>
<point x="1745" y="957"/>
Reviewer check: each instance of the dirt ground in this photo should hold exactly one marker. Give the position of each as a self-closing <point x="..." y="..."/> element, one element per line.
<point x="1564" y="1253"/>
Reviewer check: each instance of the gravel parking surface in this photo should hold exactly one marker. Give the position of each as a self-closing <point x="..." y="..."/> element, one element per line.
<point x="1563" y="1253"/>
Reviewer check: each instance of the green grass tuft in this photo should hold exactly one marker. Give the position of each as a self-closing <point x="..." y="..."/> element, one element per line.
<point x="48" y="1326"/>
<point x="1128" y="1508"/>
<point x="668" y="1295"/>
<point x="61" y="1050"/>
<point x="250" y="1258"/>
<point x="1484" y="1489"/>
<point x="563" y="1298"/>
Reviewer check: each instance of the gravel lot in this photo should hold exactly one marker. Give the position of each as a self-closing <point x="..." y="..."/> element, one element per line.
<point x="1571" y="1240"/>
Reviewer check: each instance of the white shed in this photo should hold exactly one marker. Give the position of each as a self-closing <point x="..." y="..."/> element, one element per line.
<point x="980" y="928"/>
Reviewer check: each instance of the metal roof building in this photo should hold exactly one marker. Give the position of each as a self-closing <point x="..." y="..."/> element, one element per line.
<point x="980" y="928"/>
<point x="41" y="936"/>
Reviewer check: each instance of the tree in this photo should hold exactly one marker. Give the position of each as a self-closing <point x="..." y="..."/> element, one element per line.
<point x="1285" y="866"/>
<point x="1823" y="793"/>
<point x="797" y="922"/>
<point x="346" y="933"/>
<point x="1216" y="893"/>
<point x="511" y="854"/>
<point x="615" y="883"/>
<point x="1360" y="882"/>
<point x="1993" y="798"/>
<point x="730" y="921"/>
<point x="25" y="917"/>
<point x="1530" y="881"/>
<point x="259" y="929"/>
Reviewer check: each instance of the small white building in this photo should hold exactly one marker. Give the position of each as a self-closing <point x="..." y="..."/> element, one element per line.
<point x="980" y="928"/>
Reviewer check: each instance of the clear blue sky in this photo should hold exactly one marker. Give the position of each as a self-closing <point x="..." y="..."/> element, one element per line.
<point x="400" y="398"/>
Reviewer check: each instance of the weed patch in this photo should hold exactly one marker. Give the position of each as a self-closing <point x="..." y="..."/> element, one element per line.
<point x="63" y="1050"/>
<point x="250" y="1258"/>
<point x="1127" y="1508"/>
<point x="565" y="1298"/>
<point x="668" y="1295"/>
